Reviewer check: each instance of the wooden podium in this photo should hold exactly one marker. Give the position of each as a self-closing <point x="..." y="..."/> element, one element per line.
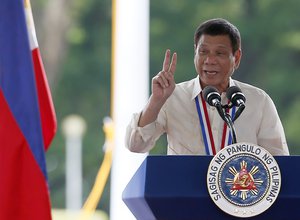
<point x="174" y="188"/>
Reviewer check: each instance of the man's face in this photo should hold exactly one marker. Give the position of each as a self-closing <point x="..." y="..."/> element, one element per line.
<point x="215" y="61"/>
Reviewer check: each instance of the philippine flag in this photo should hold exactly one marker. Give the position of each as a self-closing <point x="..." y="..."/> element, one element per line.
<point x="27" y="118"/>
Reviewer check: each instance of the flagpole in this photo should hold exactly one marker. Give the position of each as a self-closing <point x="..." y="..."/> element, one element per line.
<point x="130" y="90"/>
<point x="74" y="128"/>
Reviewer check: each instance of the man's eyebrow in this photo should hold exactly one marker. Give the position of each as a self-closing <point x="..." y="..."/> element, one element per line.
<point x="218" y="46"/>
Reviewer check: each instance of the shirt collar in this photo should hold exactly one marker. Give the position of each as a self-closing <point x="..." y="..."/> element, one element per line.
<point x="197" y="87"/>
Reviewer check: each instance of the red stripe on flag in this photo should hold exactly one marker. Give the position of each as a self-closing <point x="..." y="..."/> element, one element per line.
<point x="23" y="189"/>
<point x="47" y="112"/>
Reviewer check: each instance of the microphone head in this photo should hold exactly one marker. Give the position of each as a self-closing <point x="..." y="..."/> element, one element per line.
<point x="235" y="95"/>
<point x="210" y="94"/>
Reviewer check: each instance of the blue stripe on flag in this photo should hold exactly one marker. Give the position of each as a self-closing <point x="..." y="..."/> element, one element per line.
<point x="17" y="79"/>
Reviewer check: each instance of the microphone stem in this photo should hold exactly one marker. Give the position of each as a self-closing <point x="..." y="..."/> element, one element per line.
<point x="238" y="112"/>
<point x="231" y="127"/>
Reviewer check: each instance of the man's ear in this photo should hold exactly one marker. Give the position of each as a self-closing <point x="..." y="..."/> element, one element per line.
<point x="237" y="57"/>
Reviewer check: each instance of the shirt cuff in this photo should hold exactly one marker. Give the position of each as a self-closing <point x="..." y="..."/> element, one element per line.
<point x="147" y="131"/>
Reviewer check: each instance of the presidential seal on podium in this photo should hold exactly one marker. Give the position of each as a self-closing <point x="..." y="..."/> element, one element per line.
<point x="243" y="180"/>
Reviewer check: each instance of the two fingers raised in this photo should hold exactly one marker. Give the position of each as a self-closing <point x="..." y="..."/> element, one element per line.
<point x="166" y="76"/>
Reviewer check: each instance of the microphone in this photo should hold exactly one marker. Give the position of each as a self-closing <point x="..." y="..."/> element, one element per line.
<point x="212" y="97"/>
<point x="235" y="95"/>
<point x="237" y="98"/>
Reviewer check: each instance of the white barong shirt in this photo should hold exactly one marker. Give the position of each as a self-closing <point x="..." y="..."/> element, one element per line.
<point x="258" y="124"/>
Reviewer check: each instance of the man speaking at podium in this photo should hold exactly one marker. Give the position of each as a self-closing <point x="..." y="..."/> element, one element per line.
<point x="193" y="127"/>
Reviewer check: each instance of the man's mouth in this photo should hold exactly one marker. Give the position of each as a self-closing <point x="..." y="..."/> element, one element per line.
<point x="210" y="72"/>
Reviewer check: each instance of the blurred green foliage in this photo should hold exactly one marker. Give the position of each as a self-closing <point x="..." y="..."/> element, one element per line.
<point x="270" y="32"/>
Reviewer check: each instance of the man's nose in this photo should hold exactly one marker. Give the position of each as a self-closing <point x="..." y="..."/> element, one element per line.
<point x="210" y="59"/>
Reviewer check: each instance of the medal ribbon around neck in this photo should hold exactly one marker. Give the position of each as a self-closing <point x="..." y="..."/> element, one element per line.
<point x="207" y="135"/>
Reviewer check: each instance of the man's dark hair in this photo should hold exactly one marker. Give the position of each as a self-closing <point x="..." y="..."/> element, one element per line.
<point x="219" y="26"/>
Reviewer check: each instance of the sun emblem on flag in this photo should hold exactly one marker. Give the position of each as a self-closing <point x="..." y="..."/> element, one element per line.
<point x="243" y="182"/>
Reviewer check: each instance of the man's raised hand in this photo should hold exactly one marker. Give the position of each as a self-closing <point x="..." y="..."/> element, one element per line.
<point x="163" y="84"/>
